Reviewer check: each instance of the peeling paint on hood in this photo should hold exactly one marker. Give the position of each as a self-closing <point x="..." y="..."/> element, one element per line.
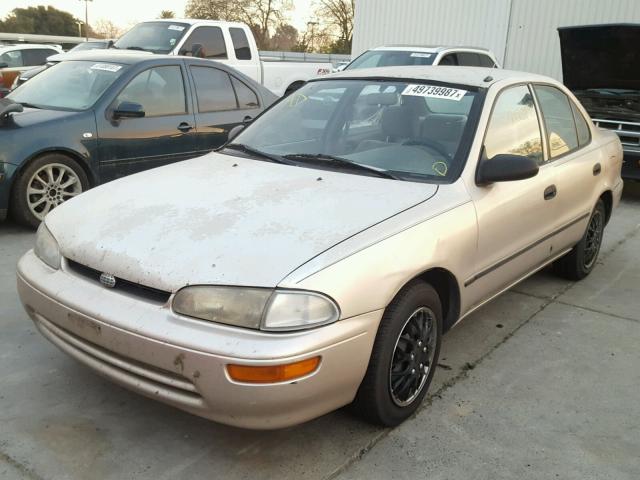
<point x="221" y="219"/>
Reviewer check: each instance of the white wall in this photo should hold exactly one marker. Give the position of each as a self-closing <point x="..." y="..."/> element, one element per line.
<point x="522" y="33"/>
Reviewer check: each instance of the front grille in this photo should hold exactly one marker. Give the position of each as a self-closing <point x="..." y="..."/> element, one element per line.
<point x="629" y="132"/>
<point x="122" y="285"/>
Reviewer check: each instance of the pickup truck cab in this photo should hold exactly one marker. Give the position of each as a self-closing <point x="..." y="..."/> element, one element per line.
<point x="405" y="55"/>
<point x="227" y="42"/>
<point x="16" y="59"/>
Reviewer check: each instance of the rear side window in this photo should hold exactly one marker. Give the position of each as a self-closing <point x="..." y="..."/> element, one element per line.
<point x="486" y="61"/>
<point x="37" y="56"/>
<point x="240" y="44"/>
<point x="513" y="127"/>
<point x="468" y="59"/>
<point x="205" y="42"/>
<point x="558" y="120"/>
<point x="213" y="90"/>
<point x="246" y="97"/>
<point x="449" y="59"/>
<point x="12" y="59"/>
<point x="584" y="134"/>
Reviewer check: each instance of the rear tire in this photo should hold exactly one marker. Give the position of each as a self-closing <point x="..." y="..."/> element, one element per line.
<point x="580" y="261"/>
<point x="404" y="357"/>
<point x="47" y="182"/>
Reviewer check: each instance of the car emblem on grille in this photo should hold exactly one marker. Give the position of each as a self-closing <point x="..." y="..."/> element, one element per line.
<point x="107" y="280"/>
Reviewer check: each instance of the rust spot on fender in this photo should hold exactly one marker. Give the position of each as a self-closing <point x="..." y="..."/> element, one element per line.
<point x="179" y="362"/>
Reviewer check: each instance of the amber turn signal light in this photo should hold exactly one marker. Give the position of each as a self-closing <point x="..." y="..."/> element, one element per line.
<point x="273" y="373"/>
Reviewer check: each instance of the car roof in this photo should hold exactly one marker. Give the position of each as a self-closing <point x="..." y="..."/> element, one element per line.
<point x="472" y="76"/>
<point x="197" y="21"/>
<point x="430" y="48"/>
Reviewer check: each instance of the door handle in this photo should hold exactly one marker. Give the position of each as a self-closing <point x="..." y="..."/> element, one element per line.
<point x="550" y="192"/>
<point x="185" y="127"/>
<point x="597" y="168"/>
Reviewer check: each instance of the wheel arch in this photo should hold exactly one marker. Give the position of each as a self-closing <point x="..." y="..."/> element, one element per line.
<point x="62" y="151"/>
<point x="446" y="285"/>
<point x="607" y="199"/>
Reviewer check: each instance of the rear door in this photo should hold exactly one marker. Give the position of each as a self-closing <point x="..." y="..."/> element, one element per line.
<point x="166" y="133"/>
<point x="222" y="101"/>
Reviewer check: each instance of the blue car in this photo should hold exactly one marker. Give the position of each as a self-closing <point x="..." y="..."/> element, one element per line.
<point x="101" y="115"/>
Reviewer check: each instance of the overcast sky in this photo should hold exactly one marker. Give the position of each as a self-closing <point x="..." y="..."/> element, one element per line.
<point x="125" y="13"/>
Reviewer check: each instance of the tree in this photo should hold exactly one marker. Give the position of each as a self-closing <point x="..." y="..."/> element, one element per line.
<point x="337" y="15"/>
<point x="262" y="16"/>
<point x="285" y="38"/>
<point x="107" y="29"/>
<point x="41" y="20"/>
<point x="167" y="14"/>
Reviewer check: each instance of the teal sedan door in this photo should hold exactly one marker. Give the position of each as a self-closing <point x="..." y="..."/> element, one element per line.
<point x="150" y="123"/>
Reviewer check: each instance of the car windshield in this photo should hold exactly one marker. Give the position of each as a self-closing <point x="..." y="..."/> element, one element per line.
<point x="156" y="37"/>
<point x="404" y="130"/>
<point x="72" y="85"/>
<point x="391" y="58"/>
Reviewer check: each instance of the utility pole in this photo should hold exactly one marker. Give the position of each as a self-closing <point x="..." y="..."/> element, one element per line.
<point x="79" y="23"/>
<point x="312" y="26"/>
<point x="86" y="18"/>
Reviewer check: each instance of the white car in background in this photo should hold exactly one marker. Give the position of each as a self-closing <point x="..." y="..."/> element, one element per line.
<point x="407" y="55"/>
<point x="16" y="59"/>
<point x="225" y="42"/>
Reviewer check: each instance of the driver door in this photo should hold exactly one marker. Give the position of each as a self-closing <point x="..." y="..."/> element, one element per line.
<point x="516" y="219"/>
<point x="164" y="135"/>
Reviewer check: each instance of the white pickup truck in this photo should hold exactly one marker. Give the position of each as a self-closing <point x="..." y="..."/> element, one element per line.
<point x="226" y="42"/>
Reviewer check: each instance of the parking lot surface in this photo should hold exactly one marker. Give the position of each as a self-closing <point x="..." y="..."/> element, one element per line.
<point x="540" y="383"/>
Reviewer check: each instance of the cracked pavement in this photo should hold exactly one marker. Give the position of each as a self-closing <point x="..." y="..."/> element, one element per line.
<point x="542" y="382"/>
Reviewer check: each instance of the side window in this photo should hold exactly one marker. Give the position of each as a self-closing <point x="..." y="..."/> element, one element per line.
<point x="468" y="59"/>
<point x="12" y="59"/>
<point x="513" y="127"/>
<point x="240" y="44"/>
<point x="247" y="98"/>
<point x="205" y="42"/>
<point x="486" y="61"/>
<point x="213" y="90"/>
<point x="584" y="134"/>
<point x="37" y="56"/>
<point x="558" y="120"/>
<point x="159" y="90"/>
<point x="450" y="59"/>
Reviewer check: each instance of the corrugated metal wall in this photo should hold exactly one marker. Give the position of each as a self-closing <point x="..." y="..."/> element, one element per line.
<point x="431" y="22"/>
<point x="522" y="33"/>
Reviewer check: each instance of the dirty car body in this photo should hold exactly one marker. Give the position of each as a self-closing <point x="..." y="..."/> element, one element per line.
<point x="318" y="257"/>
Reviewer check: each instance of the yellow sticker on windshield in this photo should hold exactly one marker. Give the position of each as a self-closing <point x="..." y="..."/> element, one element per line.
<point x="433" y="91"/>
<point x="440" y="168"/>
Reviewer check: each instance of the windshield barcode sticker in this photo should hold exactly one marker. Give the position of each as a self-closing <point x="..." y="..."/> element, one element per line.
<point x="106" y="67"/>
<point x="420" y="55"/>
<point x="432" y="91"/>
<point x="177" y="28"/>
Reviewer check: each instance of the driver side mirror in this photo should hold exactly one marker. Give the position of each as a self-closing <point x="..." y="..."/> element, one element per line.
<point x="233" y="133"/>
<point x="128" y="110"/>
<point x="506" y="168"/>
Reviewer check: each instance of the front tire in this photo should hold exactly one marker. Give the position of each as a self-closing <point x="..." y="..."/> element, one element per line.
<point x="580" y="261"/>
<point x="47" y="182"/>
<point x="404" y="357"/>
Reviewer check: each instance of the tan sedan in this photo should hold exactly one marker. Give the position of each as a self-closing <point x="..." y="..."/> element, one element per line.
<point x="317" y="259"/>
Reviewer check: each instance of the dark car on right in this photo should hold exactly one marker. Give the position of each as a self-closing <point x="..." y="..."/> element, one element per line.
<point x="601" y="66"/>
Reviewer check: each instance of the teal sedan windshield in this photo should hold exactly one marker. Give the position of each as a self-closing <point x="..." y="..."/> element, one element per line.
<point x="398" y="129"/>
<point x="71" y="85"/>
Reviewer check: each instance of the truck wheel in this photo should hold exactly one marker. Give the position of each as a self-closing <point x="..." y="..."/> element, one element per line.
<point x="404" y="357"/>
<point x="45" y="183"/>
<point x="579" y="262"/>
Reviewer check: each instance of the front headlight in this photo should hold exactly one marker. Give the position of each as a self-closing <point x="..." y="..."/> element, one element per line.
<point x="257" y="308"/>
<point x="46" y="247"/>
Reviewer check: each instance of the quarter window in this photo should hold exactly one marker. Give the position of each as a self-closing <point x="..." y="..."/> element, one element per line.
<point x="240" y="44"/>
<point x="468" y="59"/>
<point x="558" y="120"/>
<point x="584" y="134"/>
<point x="513" y="127"/>
<point x="246" y="97"/>
<point x="205" y="42"/>
<point x="159" y="90"/>
<point x="12" y="59"/>
<point x="486" y="61"/>
<point x="213" y="90"/>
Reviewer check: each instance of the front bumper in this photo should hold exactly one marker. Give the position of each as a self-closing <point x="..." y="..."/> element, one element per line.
<point x="146" y="347"/>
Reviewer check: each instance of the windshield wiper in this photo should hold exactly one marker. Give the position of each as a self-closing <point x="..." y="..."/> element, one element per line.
<point x="256" y="153"/>
<point x="137" y="48"/>
<point x="320" y="158"/>
<point x="29" y="105"/>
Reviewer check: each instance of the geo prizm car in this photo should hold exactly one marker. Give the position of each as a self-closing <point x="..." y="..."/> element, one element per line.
<point x="317" y="259"/>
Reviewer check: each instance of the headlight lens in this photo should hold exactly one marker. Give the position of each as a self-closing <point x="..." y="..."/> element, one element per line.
<point x="46" y="247"/>
<point x="257" y="308"/>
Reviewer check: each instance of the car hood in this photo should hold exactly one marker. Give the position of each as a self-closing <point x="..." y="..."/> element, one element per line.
<point x="36" y="116"/>
<point x="222" y="219"/>
<point x="601" y="56"/>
